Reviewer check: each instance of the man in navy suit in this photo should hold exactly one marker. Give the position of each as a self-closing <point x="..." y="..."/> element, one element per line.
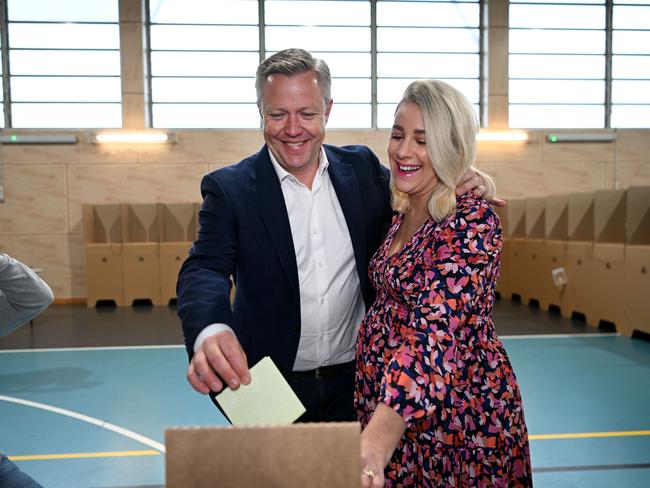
<point x="294" y="226"/>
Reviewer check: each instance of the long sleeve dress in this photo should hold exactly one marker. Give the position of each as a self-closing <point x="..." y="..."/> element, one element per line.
<point x="427" y="348"/>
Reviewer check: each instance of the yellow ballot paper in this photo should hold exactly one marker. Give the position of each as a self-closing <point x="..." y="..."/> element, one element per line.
<point x="268" y="399"/>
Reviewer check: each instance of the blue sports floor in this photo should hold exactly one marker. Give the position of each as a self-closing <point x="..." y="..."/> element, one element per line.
<point x="95" y="417"/>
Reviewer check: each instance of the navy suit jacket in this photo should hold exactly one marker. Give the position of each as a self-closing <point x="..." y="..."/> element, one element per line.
<point x="245" y="234"/>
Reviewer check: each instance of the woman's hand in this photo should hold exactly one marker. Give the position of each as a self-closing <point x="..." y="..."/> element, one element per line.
<point x="378" y="441"/>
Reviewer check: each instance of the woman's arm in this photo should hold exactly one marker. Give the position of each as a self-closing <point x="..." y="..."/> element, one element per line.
<point x="378" y="441"/>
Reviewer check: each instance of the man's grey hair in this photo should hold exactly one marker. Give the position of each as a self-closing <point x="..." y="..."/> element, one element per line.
<point x="291" y="62"/>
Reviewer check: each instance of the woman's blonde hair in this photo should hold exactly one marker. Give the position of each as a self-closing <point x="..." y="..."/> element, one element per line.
<point x="450" y="126"/>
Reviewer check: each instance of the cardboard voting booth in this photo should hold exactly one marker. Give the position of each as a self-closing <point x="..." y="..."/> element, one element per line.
<point x="103" y="236"/>
<point x="606" y="290"/>
<point x="294" y="456"/>
<point x="533" y="257"/>
<point x="554" y="278"/>
<point x="141" y="253"/>
<point x="515" y="248"/>
<point x="637" y="263"/>
<point x="579" y="253"/>
<point x="178" y="228"/>
<point x="134" y="251"/>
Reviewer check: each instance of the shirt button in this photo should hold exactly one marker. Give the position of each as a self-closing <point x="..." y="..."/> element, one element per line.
<point x="323" y="300"/>
<point x="320" y="264"/>
<point x="315" y="232"/>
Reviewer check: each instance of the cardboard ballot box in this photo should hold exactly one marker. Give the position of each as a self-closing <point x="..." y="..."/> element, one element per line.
<point x="141" y="253"/>
<point x="103" y="238"/>
<point x="295" y="456"/>
<point x="178" y="229"/>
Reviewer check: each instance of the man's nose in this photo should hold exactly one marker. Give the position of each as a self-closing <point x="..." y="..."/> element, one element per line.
<point x="293" y="126"/>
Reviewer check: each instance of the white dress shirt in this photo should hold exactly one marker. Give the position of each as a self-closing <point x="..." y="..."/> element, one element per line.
<point x="331" y="304"/>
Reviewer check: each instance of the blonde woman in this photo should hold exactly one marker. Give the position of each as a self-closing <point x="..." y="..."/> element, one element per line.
<point x="435" y="392"/>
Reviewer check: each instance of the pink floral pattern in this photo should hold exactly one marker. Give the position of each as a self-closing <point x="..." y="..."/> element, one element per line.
<point x="427" y="348"/>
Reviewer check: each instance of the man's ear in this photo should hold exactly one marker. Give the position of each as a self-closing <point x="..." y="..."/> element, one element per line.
<point x="328" y="109"/>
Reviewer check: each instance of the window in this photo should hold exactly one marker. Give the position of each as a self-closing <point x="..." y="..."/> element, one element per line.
<point x="204" y="55"/>
<point x="203" y="60"/>
<point x="631" y="64"/>
<point x="557" y="64"/>
<point x="426" y="40"/>
<point x="338" y="32"/>
<point x="64" y="63"/>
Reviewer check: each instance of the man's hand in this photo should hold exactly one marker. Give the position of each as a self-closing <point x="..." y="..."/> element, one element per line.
<point x="219" y="362"/>
<point x="473" y="181"/>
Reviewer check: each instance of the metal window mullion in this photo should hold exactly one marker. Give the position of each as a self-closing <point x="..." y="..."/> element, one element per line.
<point x="373" y="66"/>
<point x="482" y="65"/>
<point x="609" y="12"/>
<point x="261" y="13"/>
<point x="146" y="13"/>
<point x="6" y="89"/>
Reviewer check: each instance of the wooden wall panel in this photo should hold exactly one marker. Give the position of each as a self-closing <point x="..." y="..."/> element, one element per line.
<point x="523" y="180"/>
<point x="224" y="147"/>
<point x="59" y="255"/>
<point x="35" y="199"/>
<point x="131" y="183"/>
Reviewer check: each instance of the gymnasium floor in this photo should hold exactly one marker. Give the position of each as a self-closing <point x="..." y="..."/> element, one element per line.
<point x="85" y="396"/>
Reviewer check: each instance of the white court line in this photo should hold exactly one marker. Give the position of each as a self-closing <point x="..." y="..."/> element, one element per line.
<point x="558" y="336"/>
<point x="99" y="348"/>
<point x="91" y="420"/>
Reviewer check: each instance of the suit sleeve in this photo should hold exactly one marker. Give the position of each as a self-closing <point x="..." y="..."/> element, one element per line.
<point x="455" y="269"/>
<point x="204" y="280"/>
<point x="23" y="295"/>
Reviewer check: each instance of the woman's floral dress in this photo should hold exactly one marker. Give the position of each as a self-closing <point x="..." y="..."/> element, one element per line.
<point x="427" y="348"/>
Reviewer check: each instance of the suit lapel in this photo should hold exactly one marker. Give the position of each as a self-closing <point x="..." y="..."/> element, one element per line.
<point x="348" y="193"/>
<point x="268" y="192"/>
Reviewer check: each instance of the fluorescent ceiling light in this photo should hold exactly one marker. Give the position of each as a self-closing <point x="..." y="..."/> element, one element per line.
<point x="38" y="139"/>
<point x="502" y="136"/>
<point x="144" y="137"/>
<point x="581" y="137"/>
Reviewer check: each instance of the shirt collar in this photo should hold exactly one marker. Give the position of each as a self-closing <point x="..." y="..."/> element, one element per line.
<point x="283" y="174"/>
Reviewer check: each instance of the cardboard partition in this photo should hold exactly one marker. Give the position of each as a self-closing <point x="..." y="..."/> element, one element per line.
<point x="551" y="285"/>
<point x="295" y="456"/>
<point x="581" y="217"/>
<point x="557" y="218"/>
<point x="517" y="262"/>
<point x="516" y="217"/>
<point x="503" y="218"/>
<point x="140" y="222"/>
<point x="610" y="216"/>
<point x="177" y="222"/>
<point x="102" y="223"/>
<point x="142" y="272"/>
<point x="638" y="215"/>
<point x="503" y="283"/>
<point x="104" y="274"/>
<point x="531" y="263"/>
<point x="172" y="256"/>
<point x="637" y="290"/>
<point x="606" y="292"/>
<point x="536" y="218"/>
<point x="576" y="295"/>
